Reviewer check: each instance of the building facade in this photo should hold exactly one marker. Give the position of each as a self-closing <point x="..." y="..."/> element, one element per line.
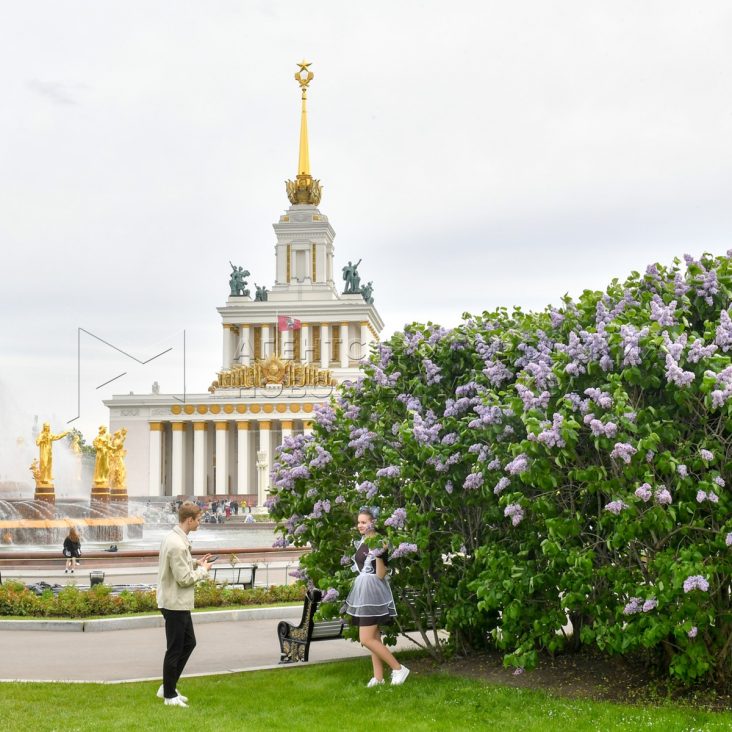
<point x="284" y="351"/>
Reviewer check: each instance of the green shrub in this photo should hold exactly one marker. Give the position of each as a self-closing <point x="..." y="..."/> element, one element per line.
<point x="537" y="467"/>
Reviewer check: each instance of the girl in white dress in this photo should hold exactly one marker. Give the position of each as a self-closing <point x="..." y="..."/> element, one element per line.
<point x="370" y="602"/>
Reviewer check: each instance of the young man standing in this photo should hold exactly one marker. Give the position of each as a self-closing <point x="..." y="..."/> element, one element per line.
<point x="178" y="573"/>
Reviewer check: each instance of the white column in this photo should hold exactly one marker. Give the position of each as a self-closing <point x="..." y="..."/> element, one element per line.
<point x="263" y="463"/>
<point x="286" y="429"/>
<point x="305" y="347"/>
<point x="344" y="345"/>
<point x="307" y="428"/>
<point x="222" y="458"/>
<point x="155" y="485"/>
<point x="227" y="354"/>
<point x="243" y="464"/>
<point x="266" y="342"/>
<point x="199" y="458"/>
<point x="245" y="350"/>
<point x="324" y="346"/>
<point x="177" y="458"/>
<point x="286" y="345"/>
<point x="365" y="341"/>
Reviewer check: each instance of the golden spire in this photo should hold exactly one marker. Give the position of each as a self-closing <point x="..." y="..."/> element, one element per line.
<point x="304" y="189"/>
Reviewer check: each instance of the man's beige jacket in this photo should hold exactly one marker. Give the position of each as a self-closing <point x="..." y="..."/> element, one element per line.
<point x="177" y="572"/>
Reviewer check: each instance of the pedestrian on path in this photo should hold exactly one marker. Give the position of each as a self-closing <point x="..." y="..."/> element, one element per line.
<point x="370" y="602"/>
<point x="72" y="550"/>
<point x="178" y="574"/>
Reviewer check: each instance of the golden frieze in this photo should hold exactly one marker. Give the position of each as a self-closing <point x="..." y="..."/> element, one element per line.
<point x="272" y="370"/>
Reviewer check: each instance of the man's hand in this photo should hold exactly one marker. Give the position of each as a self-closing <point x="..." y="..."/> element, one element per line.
<point x="204" y="562"/>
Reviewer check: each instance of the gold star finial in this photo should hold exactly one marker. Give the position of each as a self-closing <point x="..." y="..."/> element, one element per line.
<point x="303" y="76"/>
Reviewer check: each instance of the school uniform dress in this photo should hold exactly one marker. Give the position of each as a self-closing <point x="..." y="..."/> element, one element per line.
<point x="370" y="601"/>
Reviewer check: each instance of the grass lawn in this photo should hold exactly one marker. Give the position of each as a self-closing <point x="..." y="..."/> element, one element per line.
<point x="327" y="697"/>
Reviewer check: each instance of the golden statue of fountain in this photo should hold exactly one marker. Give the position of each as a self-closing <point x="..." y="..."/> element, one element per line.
<point x="42" y="468"/>
<point x="100" y="485"/>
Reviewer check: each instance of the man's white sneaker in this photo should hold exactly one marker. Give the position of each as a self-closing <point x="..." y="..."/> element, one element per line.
<point x="374" y="682"/>
<point x="161" y="694"/>
<point x="176" y="701"/>
<point x="400" y="676"/>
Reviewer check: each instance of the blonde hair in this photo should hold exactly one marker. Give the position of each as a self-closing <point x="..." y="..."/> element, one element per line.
<point x="74" y="535"/>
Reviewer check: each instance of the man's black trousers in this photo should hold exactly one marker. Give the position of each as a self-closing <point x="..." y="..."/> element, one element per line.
<point x="181" y="641"/>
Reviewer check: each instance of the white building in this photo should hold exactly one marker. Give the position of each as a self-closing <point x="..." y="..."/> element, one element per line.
<point x="222" y="442"/>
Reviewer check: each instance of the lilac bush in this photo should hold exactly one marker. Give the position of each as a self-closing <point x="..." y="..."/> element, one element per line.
<point x="537" y="467"/>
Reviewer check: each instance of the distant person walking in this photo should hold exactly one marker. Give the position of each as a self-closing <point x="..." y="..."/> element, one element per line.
<point x="178" y="573"/>
<point x="370" y="602"/>
<point x="72" y="550"/>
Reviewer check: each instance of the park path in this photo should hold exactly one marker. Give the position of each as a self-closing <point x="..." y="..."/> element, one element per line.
<point x="137" y="654"/>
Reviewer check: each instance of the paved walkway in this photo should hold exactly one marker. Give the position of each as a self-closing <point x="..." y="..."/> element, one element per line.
<point x="133" y="655"/>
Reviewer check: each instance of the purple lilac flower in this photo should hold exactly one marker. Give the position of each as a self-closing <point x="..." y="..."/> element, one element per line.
<point x="723" y="335"/>
<point x="497" y="373"/>
<point x="384" y="352"/>
<point x="455" y="408"/>
<point x="410" y="402"/>
<point x="368" y="488"/>
<point x="644" y="492"/>
<point x="426" y="431"/>
<point x="701" y="496"/>
<point x="298" y="574"/>
<point x="433" y="371"/>
<point x="352" y="411"/>
<point x="325" y="416"/>
<point x="615" y="507"/>
<point x="682" y="470"/>
<point x="515" y="512"/>
<point x="467" y="390"/>
<point x="391" y="471"/>
<point x="403" y="549"/>
<point x="301" y="529"/>
<point x="676" y="375"/>
<point x="330" y="596"/>
<point x="662" y="313"/>
<point x="339" y="500"/>
<point x="311" y="493"/>
<point x="473" y="481"/>
<point x="551" y="435"/>
<point x="360" y="440"/>
<point x="719" y="480"/>
<point x="599" y="429"/>
<point x="712" y="497"/>
<point x="696" y="582"/>
<point x="501" y="486"/>
<point x="724" y="384"/>
<point x="728" y="539"/>
<point x="629" y="340"/>
<point x="706" y="455"/>
<point x="697" y="351"/>
<point x="649" y="605"/>
<point x="680" y="287"/>
<point x="692" y="633"/>
<point x="345" y="561"/>
<point x="624" y="451"/>
<point x="708" y="287"/>
<point x="518" y="465"/>
<point x="449" y="439"/>
<point x="635" y="605"/>
<point x="575" y="400"/>
<point x="322" y="459"/>
<point x="279" y="543"/>
<point x="488" y="415"/>
<point x="494" y="464"/>
<point x="663" y="496"/>
<point x="530" y="400"/>
<point x="397" y="519"/>
<point x="649" y="456"/>
<point x="601" y="398"/>
<point x="556" y="317"/>
<point x="518" y="671"/>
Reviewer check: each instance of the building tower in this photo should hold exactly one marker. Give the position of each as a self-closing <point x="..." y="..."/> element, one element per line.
<point x="284" y="351"/>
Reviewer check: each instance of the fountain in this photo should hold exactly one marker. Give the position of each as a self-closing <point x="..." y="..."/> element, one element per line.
<point x="45" y="519"/>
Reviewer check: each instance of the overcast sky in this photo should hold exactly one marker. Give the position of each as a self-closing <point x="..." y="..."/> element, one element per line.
<point x="473" y="154"/>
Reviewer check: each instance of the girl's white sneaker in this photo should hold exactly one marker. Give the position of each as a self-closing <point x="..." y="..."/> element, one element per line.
<point x="374" y="682"/>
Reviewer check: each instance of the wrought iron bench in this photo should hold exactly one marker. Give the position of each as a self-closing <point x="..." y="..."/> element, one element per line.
<point x="243" y="575"/>
<point x="295" y="640"/>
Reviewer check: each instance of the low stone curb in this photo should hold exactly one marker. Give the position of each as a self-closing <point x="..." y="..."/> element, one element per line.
<point x="151" y="621"/>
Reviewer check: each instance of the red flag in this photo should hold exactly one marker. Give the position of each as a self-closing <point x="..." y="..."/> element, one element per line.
<point x="285" y="322"/>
